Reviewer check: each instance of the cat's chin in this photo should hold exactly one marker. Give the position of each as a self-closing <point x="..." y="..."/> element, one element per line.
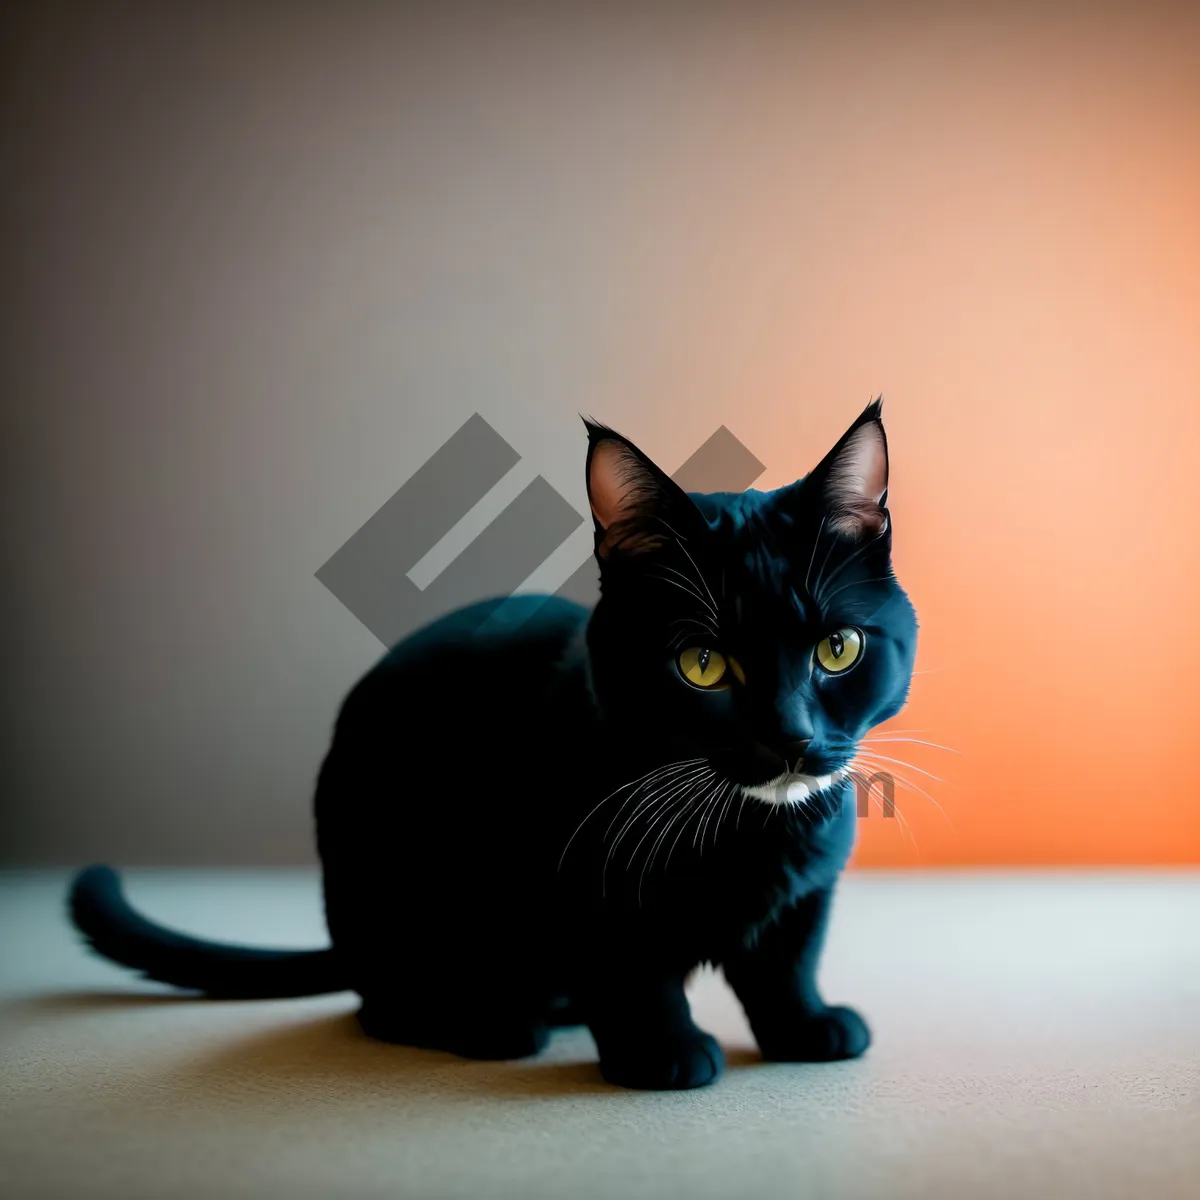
<point x="792" y="788"/>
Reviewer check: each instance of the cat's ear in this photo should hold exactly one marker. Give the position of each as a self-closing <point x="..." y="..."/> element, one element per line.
<point x="636" y="507"/>
<point x="853" y="478"/>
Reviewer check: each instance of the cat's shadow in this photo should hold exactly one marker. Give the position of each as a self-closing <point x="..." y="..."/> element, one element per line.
<point x="325" y="1059"/>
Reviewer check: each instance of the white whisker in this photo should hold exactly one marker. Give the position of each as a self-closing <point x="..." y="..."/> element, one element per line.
<point x="681" y="811"/>
<point x="824" y="601"/>
<point x="616" y="792"/>
<point x="714" y="802"/>
<point x="700" y="576"/>
<point x="694" y="809"/>
<point x="649" y="800"/>
<point x="678" y="794"/>
<point x="821" y="573"/>
<point x="813" y="555"/>
<point x="908" y="783"/>
<point x="655" y="776"/>
<point x="650" y="856"/>
<point x="904" y="825"/>
<point x="684" y="587"/>
<point x="879" y="741"/>
<point x="852" y="558"/>
<point x="902" y="763"/>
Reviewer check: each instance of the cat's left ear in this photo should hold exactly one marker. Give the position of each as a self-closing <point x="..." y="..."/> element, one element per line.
<point x="853" y="477"/>
<point x="636" y="506"/>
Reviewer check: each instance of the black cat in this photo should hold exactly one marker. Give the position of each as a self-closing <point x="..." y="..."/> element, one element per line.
<point x="535" y="814"/>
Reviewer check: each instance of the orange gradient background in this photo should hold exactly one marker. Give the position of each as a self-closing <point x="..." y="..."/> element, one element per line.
<point x="1005" y="242"/>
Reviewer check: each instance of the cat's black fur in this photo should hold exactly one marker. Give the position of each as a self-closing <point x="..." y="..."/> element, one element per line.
<point x="534" y="820"/>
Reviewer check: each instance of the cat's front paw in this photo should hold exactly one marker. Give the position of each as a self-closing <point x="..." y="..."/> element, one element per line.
<point x="684" y="1059"/>
<point x="825" y="1035"/>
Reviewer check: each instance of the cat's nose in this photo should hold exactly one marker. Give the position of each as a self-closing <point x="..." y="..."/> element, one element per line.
<point x="792" y="751"/>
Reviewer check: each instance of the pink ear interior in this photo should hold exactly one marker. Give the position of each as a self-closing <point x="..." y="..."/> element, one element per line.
<point x="858" y="478"/>
<point x="619" y="489"/>
<point x="610" y="483"/>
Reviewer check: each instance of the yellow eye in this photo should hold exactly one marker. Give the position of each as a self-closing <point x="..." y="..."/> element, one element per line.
<point x="840" y="651"/>
<point x="701" y="666"/>
<point x="736" y="668"/>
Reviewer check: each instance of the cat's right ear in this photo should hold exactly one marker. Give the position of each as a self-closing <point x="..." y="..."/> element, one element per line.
<point x="853" y="477"/>
<point x="636" y="507"/>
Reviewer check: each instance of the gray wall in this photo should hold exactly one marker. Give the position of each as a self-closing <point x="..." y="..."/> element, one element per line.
<point x="263" y="259"/>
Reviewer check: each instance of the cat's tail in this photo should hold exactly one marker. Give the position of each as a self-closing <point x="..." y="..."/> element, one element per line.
<point x="114" y="929"/>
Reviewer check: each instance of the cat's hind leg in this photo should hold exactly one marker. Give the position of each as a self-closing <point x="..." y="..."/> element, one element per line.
<point x="482" y="1026"/>
<point x="484" y="1002"/>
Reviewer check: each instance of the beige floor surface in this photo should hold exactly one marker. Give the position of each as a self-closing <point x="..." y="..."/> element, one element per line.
<point x="1036" y="1036"/>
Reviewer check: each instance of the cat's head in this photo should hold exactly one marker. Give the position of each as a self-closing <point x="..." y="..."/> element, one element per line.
<point x="755" y="635"/>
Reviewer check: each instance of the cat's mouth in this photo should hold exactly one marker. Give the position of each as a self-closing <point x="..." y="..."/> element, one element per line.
<point x="793" y="787"/>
